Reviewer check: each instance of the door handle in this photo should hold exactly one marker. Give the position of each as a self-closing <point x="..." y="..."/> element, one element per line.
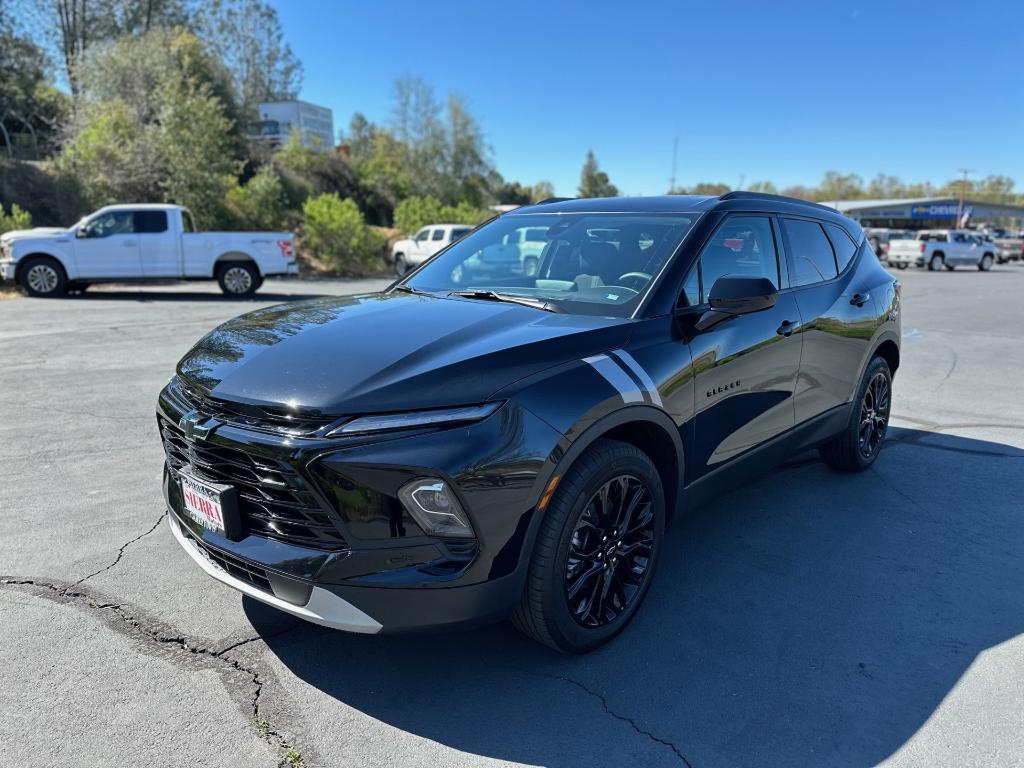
<point x="860" y="299"/>
<point x="129" y="243"/>
<point x="787" y="328"/>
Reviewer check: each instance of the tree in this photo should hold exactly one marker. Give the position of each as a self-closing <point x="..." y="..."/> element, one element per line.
<point x="593" y="181"/>
<point x="153" y="129"/>
<point x="336" y="233"/>
<point x="247" y="36"/>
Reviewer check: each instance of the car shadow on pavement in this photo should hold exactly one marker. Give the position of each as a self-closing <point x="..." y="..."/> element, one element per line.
<point x="811" y="617"/>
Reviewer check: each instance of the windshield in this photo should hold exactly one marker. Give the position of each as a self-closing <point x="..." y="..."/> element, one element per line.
<point x="583" y="263"/>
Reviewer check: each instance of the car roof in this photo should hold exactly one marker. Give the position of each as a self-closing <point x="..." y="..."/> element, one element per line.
<point x="140" y="207"/>
<point x="731" y="201"/>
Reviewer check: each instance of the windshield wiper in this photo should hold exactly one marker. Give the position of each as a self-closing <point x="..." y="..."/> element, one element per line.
<point x="508" y="299"/>
<point x="409" y="289"/>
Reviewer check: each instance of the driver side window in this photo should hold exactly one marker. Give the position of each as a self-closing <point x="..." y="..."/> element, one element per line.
<point x="742" y="245"/>
<point x="422" y="235"/>
<point x="107" y="224"/>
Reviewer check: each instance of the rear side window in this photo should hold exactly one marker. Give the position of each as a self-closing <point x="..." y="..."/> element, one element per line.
<point x="842" y="244"/>
<point x="438" y="234"/>
<point x="150" y="222"/>
<point x="810" y="251"/>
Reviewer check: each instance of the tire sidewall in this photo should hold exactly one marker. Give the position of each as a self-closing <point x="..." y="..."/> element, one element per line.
<point x="566" y="631"/>
<point x="253" y="274"/>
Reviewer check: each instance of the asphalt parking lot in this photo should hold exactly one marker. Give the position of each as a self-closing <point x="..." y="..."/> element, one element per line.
<point x="809" y="618"/>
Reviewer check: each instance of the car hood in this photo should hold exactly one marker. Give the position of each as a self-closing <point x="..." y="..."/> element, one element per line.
<point x="388" y="352"/>
<point x="26" y="234"/>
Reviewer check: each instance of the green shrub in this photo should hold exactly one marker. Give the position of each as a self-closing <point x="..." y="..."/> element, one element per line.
<point x="336" y="233"/>
<point x="415" y="212"/>
<point x="261" y="203"/>
<point x="17" y="219"/>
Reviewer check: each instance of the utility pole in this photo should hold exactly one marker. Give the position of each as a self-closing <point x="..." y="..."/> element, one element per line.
<point x="963" y="190"/>
<point x="675" y="153"/>
<point x="743" y="177"/>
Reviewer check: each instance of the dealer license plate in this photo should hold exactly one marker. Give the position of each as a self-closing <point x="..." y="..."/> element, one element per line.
<point x="203" y="504"/>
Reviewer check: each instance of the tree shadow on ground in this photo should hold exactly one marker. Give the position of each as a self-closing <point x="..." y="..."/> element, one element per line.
<point x="811" y="617"/>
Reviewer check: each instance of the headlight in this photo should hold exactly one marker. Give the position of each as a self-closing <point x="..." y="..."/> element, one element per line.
<point x="412" y="420"/>
<point x="435" y="508"/>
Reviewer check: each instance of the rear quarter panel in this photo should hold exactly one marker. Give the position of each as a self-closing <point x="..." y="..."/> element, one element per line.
<point x="202" y="250"/>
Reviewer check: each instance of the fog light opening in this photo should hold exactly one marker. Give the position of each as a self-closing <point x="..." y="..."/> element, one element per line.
<point x="436" y="509"/>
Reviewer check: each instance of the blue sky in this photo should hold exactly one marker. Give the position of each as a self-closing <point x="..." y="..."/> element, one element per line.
<point x="758" y="90"/>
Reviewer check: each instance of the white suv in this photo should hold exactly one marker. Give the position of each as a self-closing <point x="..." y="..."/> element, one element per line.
<point x="410" y="253"/>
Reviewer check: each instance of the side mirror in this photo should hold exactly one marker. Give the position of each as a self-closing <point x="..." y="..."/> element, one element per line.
<point x="737" y="295"/>
<point x="80" y="232"/>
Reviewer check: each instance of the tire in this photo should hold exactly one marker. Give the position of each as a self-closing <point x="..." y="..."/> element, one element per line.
<point x="986" y="262"/>
<point x="902" y="265"/>
<point x="43" y="277"/>
<point x="573" y="522"/>
<point x="401" y="266"/>
<point x="531" y="265"/>
<point x="238" y="279"/>
<point x="936" y="262"/>
<point x="846" y="452"/>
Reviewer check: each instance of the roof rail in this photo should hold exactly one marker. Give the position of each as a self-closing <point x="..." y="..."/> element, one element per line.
<point x="547" y="200"/>
<point x="741" y="195"/>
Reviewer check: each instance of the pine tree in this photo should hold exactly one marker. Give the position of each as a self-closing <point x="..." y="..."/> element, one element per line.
<point x="593" y="181"/>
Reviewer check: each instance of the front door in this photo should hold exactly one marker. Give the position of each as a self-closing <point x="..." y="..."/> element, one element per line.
<point x="107" y="246"/>
<point x="745" y="367"/>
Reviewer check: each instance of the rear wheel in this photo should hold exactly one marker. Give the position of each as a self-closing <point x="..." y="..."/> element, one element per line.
<point x="856" y="448"/>
<point x="43" y="277"/>
<point x="986" y="262"/>
<point x="238" y="279"/>
<point x="901" y="265"/>
<point x="530" y="266"/>
<point x="936" y="262"/>
<point x="596" y="551"/>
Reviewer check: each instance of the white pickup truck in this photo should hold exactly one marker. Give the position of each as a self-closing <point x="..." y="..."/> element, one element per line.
<point x="938" y="248"/>
<point x="122" y="243"/>
<point x="413" y="251"/>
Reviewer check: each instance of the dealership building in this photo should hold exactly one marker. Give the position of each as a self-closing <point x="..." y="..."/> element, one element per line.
<point x="926" y="212"/>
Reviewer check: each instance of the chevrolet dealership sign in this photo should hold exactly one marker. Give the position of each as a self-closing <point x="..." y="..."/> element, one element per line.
<point x="935" y="211"/>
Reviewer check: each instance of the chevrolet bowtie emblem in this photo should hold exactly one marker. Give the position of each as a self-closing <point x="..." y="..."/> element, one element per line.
<point x="196" y="426"/>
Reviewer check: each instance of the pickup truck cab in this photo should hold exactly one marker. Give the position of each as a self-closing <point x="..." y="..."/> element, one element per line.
<point x="409" y="253"/>
<point x="122" y="243"/>
<point x="938" y="248"/>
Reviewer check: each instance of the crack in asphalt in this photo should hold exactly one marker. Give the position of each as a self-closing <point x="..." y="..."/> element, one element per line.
<point x="612" y="713"/>
<point x="289" y="755"/>
<point x="121" y="551"/>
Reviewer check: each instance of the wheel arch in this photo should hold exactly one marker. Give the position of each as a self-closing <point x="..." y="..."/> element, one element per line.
<point x="889" y="351"/>
<point x="234" y="256"/>
<point x="23" y="260"/>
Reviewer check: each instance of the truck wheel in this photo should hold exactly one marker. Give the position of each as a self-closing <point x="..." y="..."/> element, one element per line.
<point x="902" y="265"/>
<point x="936" y="262"/>
<point x="596" y="550"/>
<point x="986" y="262"/>
<point x="401" y="267"/>
<point x="530" y="266"/>
<point x="238" y="279"/>
<point x="44" y="277"/>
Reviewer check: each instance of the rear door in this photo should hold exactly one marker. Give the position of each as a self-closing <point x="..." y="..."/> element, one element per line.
<point x="107" y="246"/>
<point x="837" y="313"/>
<point x="158" y="248"/>
<point x="745" y="367"/>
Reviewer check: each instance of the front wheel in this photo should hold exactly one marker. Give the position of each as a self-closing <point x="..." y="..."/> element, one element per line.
<point x="401" y="265"/>
<point x="44" y="277"/>
<point x="596" y="551"/>
<point x="238" y="280"/>
<point x="530" y="266"/>
<point x="901" y="265"/>
<point x="986" y="263"/>
<point x="856" y="447"/>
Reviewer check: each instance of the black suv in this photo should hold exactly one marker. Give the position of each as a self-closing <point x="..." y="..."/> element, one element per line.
<point x="481" y="441"/>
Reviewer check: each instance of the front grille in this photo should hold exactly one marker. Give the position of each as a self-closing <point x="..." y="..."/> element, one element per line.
<point x="276" y="419"/>
<point x="273" y="500"/>
<point x="231" y="564"/>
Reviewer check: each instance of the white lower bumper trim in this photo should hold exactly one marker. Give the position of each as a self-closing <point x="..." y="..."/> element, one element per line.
<point x="324" y="608"/>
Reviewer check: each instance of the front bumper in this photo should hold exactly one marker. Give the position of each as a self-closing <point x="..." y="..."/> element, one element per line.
<point x="8" y="270"/>
<point x="388" y="576"/>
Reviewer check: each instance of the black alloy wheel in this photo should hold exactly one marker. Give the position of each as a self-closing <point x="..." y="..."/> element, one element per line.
<point x="595" y="554"/>
<point x="610" y="552"/>
<point x="874" y="415"/>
